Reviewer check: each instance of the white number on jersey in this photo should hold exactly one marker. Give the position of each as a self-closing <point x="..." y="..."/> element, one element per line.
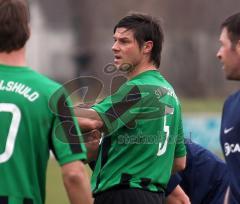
<point x="13" y="129"/>
<point x="163" y="147"/>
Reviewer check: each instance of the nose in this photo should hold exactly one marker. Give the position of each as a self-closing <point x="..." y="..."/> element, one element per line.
<point x="219" y="56"/>
<point x="115" y="47"/>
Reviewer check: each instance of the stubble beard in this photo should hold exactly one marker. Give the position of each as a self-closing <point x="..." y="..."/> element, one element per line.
<point x="126" y="67"/>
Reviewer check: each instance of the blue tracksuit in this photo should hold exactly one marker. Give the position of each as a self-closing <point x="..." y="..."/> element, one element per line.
<point x="205" y="178"/>
<point x="230" y="142"/>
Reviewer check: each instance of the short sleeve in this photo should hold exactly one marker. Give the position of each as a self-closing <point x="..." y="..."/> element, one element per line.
<point x="66" y="139"/>
<point x="180" y="149"/>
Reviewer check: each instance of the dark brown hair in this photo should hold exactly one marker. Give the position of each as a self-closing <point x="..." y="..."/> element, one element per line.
<point x="14" y="25"/>
<point x="145" y="28"/>
<point x="232" y="24"/>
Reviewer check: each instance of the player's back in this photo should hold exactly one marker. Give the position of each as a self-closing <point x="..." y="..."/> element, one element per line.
<point x="25" y="127"/>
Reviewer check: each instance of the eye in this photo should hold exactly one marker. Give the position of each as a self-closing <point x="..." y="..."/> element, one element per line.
<point x="124" y="41"/>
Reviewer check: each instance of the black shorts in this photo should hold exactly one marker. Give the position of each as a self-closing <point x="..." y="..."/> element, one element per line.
<point x="129" y="196"/>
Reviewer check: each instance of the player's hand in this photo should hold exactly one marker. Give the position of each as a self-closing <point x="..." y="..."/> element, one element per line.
<point x="87" y="124"/>
<point x="177" y="196"/>
<point x="92" y="140"/>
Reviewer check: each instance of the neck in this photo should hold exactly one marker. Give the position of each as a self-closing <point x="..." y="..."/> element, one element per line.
<point x="14" y="58"/>
<point x="140" y="69"/>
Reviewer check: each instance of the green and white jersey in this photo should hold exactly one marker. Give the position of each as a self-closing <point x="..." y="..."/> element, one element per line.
<point x="144" y="134"/>
<point x="34" y="118"/>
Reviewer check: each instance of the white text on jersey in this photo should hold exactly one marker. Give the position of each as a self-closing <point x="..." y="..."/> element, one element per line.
<point x="19" y="88"/>
<point x="231" y="148"/>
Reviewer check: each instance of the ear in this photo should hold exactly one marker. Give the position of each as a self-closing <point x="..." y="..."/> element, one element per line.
<point x="147" y="47"/>
<point x="238" y="47"/>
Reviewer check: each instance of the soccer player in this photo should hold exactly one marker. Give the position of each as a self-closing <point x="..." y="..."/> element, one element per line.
<point x="204" y="180"/>
<point x="229" y="55"/>
<point x="143" y="141"/>
<point x="32" y="121"/>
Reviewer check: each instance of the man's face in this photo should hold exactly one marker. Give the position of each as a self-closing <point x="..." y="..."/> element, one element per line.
<point x="229" y="55"/>
<point x="125" y="48"/>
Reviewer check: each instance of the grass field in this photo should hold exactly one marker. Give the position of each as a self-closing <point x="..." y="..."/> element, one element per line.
<point x="55" y="192"/>
<point x="207" y="105"/>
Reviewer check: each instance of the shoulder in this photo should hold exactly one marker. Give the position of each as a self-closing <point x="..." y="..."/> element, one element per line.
<point x="233" y="97"/>
<point x="44" y="83"/>
<point x="231" y="103"/>
<point x="44" y="79"/>
<point x="199" y="154"/>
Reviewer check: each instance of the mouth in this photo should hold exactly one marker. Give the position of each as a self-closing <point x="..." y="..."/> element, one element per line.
<point x="117" y="58"/>
<point x="223" y="66"/>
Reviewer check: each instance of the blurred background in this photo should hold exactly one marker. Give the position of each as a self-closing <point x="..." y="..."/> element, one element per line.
<point x="73" y="38"/>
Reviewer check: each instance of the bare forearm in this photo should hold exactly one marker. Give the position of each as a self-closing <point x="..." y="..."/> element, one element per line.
<point x="77" y="184"/>
<point x="87" y="113"/>
<point x="88" y="119"/>
<point x="87" y="124"/>
<point x="92" y="140"/>
<point x="179" y="164"/>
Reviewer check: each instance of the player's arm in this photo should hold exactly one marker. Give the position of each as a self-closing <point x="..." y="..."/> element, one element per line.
<point x="177" y="196"/>
<point x="179" y="164"/>
<point x="125" y="107"/>
<point x="76" y="182"/>
<point x="88" y="118"/>
<point x="88" y="124"/>
<point x="69" y="149"/>
<point x="91" y="126"/>
<point x="92" y="141"/>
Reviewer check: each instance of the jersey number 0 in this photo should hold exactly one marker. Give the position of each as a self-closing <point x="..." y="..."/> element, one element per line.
<point x="13" y="129"/>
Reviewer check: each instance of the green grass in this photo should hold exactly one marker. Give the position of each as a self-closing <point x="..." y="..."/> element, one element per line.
<point x="206" y="105"/>
<point x="55" y="192"/>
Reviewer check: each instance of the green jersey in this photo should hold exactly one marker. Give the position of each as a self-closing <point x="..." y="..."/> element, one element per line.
<point x="144" y="134"/>
<point x="34" y="119"/>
